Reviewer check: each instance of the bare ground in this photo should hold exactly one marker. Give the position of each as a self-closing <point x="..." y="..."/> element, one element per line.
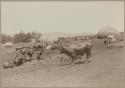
<point x="106" y="69"/>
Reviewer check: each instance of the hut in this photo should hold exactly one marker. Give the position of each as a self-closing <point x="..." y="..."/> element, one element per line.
<point x="8" y="44"/>
<point x="107" y="31"/>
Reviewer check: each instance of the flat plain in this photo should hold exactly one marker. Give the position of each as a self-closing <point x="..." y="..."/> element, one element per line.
<point x="106" y="69"/>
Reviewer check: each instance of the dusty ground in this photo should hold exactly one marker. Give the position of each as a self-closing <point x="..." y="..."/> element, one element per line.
<point x="106" y="69"/>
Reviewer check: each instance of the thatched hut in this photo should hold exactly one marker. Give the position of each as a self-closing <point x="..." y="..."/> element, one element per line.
<point x="106" y="31"/>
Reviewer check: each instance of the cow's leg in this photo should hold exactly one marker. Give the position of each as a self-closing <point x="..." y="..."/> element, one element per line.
<point x="87" y="57"/>
<point x="73" y="60"/>
<point x="61" y="60"/>
<point x="38" y="57"/>
<point x="80" y="57"/>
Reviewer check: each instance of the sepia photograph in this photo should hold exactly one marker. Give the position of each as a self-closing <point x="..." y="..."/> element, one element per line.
<point x="62" y="44"/>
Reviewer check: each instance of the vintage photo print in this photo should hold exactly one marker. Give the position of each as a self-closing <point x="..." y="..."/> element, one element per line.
<point x="62" y="44"/>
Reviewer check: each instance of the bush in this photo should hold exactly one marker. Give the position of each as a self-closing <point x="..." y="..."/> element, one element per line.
<point x="5" y="38"/>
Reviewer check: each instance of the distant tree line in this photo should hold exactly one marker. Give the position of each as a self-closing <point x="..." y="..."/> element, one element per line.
<point x="5" y="38"/>
<point x="20" y="37"/>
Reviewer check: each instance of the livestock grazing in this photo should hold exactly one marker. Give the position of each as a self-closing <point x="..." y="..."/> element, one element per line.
<point x="19" y="59"/>
<point x="74" y="52"/>
<point x="111" y="42"/>
<point x="23" y="55"/>
<point x="38" y="47"/>
<point x="66" y="52"/>
<point x="87" y="49"/>
<point x="54" y="47"/>
<point x="40" y="56"/>
<point x="18" y="49"/>
<point x="48" y="47"/>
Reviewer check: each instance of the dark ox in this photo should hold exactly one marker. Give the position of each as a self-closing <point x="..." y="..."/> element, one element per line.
<point x="76" y="53"/>
<point x="37" y="47"/>
<point x="66" y="52"/>
<point x="84" y="50"/>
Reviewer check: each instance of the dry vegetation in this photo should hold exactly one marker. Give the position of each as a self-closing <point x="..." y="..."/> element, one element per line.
<point x="104" y="70"/>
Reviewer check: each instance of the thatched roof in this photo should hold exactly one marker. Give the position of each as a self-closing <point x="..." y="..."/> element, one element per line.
<point x="108" y="31"/>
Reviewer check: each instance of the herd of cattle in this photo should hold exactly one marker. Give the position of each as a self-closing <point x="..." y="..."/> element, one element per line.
<point x="112" y="41"/>
<point x="25" y="54"/>
<point x="41" y="50"/>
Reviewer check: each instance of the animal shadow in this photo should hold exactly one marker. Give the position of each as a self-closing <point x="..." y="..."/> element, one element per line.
<point x="63" y="64"/>
<point x="82" y="62"/>
<point x="76" y="63"/>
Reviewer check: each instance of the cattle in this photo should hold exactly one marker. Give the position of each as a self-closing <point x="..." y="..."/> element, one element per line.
<point x="54" y="47"/>
<point x="18" y="59"/>
<point x="111" y="41"/>
<point x="48" y="47"/>
<point x="67" y="52"/>
<point x="77" y="52"/>
<point x="84" y="50"/>
<point x="23" y="55"/>
<point x="7" y="65"/>
<point x="37" y="47"/>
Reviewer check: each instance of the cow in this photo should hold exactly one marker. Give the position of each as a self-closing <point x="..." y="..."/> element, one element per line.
<point x="18" y="59"/>
<point x="63" y="50"/>
<point x="77" y="52"/>
<point x="84" y="50"/>
<point x="23" y="55"/>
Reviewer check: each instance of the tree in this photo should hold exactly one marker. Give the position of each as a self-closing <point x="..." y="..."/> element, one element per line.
<point x="26" y="37"/>
<point x="5" y="38"/>
<point x="36" y="35"/>
<point x="19" y="37"/>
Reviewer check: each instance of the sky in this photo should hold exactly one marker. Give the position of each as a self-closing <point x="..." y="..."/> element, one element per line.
<point x="61" y="16"/>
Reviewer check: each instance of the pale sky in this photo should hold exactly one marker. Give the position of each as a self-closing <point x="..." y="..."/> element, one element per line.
<point x="61" y="16"/>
